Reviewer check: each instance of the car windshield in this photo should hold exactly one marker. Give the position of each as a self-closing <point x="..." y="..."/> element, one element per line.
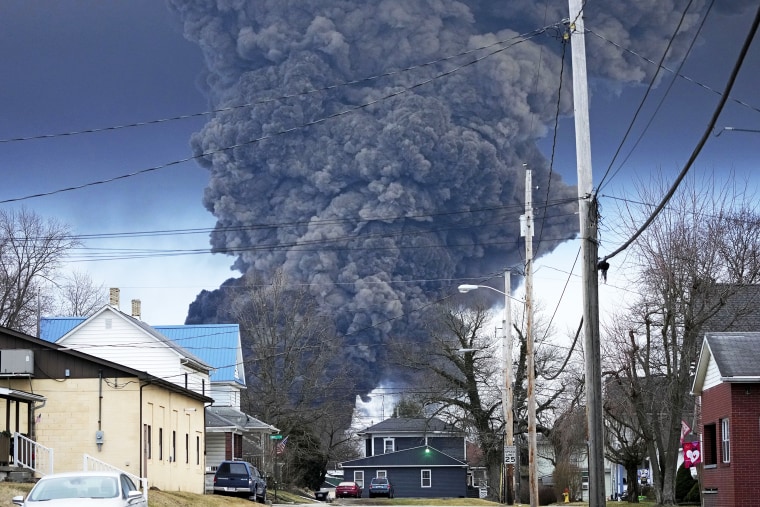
<point x="56" y="488"/>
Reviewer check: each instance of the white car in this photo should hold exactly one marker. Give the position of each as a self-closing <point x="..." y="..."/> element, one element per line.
<point x="80" y="489"/>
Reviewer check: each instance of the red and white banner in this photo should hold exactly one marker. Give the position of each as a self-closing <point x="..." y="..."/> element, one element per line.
<point x="692" y="454"/>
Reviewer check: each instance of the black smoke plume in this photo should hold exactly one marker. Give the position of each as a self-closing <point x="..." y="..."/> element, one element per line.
<point x="383" y="209"/>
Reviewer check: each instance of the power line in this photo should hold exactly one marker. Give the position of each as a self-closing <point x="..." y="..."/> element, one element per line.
<point x="711" y="125"/>
<point x="273" y="135"/>
<point x="649" y="89"/>
<point x="668" y="69"/>
<point x="279" y="98"/>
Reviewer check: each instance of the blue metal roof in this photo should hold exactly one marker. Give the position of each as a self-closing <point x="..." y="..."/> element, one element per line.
<point x="53" y="328"/>
<point x="216" y="345"/>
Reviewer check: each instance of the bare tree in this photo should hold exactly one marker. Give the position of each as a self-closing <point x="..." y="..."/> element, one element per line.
<point x="569" y="442"/>
<point x="31" y="251"/>
<point x="458" y="368"/>
<point x="79" y="296"/>
<point x="461" y="371"/>
<point x="699" y="252"/>
<point x="294" y="371"/>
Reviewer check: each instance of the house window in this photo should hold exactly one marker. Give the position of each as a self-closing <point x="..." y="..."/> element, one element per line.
<point x="710" y="439"/>
<point x="197" y="450"/>
<point x="725" y="441"/>
<point x="388" y="445"/>
<point x="160" y="443"/>
<point x="359" y="477"/>
<point x="382" y="474"/>
<point x="173" y="456"/>
<point x="187" y="448"/>
<point x="148" y="441"/>
<point x="426" y="478"/>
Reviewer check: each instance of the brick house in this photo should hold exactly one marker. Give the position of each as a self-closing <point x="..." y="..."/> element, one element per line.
<point x="727" y="381"/>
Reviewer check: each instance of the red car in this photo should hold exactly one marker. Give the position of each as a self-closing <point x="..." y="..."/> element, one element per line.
<point x="348" y="489"/>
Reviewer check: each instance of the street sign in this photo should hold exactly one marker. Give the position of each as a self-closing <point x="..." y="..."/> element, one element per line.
<point x="275" y="437"/>
<point x="510" y="454"/>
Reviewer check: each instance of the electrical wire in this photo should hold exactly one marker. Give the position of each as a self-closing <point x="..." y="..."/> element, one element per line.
<point x="279" y="98"/>
<point x="668" y="69"/>
<point x="273" y="135"/>
<point x="697" y="150"/>
<point x="649" y="89"/>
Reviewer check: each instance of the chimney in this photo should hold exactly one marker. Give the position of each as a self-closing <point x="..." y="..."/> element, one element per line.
<point x="136" y="308"/>
<point x="114" y="297"/>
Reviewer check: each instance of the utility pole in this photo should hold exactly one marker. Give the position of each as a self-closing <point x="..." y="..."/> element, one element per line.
<point x="589" y="249"/>
<point x="508" y="396"/>
<point x="530" y="360"/>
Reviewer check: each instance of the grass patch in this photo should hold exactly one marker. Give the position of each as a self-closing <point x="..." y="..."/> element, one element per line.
<point x="155" y="498"/>
<point x="180" y="499"/>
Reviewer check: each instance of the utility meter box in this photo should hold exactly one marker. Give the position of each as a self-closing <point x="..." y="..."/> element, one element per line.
<point x="99" y="437"/>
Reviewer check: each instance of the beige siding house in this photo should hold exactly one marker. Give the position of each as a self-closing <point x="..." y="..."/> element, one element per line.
<point x="207" y="358"/>
<point x="84" y="405"/>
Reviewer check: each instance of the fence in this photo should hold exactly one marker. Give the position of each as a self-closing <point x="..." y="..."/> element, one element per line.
<point x="30" y="454"/>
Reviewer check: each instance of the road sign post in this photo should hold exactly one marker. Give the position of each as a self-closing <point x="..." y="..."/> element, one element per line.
<point x="510" y="454"/>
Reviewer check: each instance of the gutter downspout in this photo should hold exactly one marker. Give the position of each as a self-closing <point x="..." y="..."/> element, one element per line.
<point x="142" y="432"/>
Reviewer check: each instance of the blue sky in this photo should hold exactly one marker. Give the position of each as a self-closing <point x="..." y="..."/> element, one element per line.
<point x="85" y="65"/>
<point x="78" y="65"/>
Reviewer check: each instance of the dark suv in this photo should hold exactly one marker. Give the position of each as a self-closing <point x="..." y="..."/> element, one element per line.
<point x="240" y="478"/>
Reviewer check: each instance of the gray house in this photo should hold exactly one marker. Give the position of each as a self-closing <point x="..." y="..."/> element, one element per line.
<point x="421" y="457"/>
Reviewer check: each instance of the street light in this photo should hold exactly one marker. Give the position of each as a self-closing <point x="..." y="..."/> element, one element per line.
<point x="506" y="395"/>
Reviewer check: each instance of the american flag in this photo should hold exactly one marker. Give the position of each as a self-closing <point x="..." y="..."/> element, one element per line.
<point x="281" y="445"/>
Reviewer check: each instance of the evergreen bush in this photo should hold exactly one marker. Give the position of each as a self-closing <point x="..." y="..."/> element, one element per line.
<point x="684" y="483"/>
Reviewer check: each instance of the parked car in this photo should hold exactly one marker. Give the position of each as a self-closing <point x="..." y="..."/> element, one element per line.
<point x="240" y="478"/>
<point x="348" y="489"/>
<point x="74" y="489"/>
<point x="380" y="486"/>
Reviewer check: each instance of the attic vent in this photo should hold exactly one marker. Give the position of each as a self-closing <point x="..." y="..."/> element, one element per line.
<point x="136" y="308"/>
<point x="109" y="323"/>
<point x="114" y="297"/>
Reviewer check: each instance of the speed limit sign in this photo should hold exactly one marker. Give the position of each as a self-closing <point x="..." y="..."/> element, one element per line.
<point x="510" y="454"/>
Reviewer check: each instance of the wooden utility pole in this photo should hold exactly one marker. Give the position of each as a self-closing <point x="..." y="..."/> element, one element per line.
<point x="589" y="249"/>
<point x="508" y="399"/>
<point x="530" y="360"/>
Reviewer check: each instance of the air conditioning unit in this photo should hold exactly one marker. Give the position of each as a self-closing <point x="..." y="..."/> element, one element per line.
<point x="16" y="362"/>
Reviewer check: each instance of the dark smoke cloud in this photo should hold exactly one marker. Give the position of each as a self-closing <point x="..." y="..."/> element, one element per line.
<point x="370" y="207"/>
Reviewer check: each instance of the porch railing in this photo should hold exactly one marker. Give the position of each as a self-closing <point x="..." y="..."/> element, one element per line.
<point x="32" y="455"/>
<point x="94" y="464"/>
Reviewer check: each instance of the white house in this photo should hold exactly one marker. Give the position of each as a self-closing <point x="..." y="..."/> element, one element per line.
<point x="205" y="358"/>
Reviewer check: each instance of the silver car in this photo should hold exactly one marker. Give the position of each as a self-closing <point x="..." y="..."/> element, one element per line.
<point x="77" y="489"/>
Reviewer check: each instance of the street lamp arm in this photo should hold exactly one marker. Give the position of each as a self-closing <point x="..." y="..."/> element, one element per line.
<point x="465" y="288"/>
